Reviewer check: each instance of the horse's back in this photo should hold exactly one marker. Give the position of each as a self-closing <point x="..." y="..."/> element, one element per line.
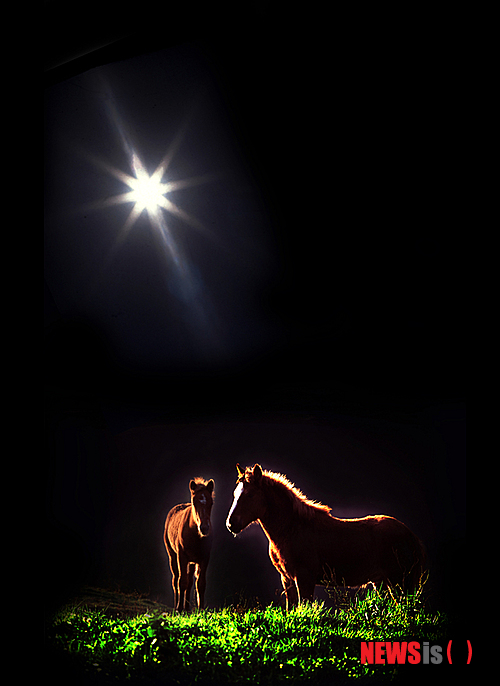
<point x="391" y="531"/>
<point x="376" y="544"/>
<point x="400" y="552"/>
<point x="173" y="524"/>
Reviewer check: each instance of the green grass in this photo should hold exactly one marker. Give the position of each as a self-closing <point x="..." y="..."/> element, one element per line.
<point x="232" y="646"/>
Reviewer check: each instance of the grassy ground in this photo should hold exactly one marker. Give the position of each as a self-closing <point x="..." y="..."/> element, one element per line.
<point x="235" y="646"/>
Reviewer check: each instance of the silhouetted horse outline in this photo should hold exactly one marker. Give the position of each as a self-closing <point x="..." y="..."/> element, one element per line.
<point x="188" y="542"/>
<point x="308" y="545"/>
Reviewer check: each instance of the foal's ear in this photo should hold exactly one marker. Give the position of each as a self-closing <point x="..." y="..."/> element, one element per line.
<point x="257" y="472"/>
<point x="210" y="486"/>
<point x="192" y="485"/>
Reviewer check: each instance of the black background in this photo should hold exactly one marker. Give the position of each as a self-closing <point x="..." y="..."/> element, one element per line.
<point x="339" y="306"/>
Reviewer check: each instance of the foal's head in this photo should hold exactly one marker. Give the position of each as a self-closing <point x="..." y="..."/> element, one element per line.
<point x="202" y="494"/>
<point x="248" y="504"/>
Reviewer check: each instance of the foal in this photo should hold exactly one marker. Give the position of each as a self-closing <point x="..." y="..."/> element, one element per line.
<point x="188" y="542"/>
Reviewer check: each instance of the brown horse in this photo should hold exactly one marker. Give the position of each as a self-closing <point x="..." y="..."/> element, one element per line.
<point x="309" y="546"/>
<point x="188" y="543"/>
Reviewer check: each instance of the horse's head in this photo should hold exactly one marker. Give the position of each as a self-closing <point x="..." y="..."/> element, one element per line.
<point x="201" y="501"/>
<point x="248" y="504"/>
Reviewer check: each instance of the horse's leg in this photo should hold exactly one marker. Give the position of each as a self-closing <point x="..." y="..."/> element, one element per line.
<point x="190" y="574"/>
<point x="174" y="568"/>
<point x="183" y="581"/>
<point x="287" y="582"/>
<point x="201" y="584"/>
<point x="305" y="585"/>
<point x="290" y="589"/>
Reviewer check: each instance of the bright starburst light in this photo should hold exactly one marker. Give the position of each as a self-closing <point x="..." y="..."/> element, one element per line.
<point x="148" y="191"/>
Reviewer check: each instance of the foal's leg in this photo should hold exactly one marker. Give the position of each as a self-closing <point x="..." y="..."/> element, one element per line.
<point x="201" y="584"/>
<point x="174" y="568"/>
<point x="190" y="575"/>
<point x="183" y="581"/>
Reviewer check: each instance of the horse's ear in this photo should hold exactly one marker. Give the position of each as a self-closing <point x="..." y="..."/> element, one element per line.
<point x="239" y="470"/>
<point x="210" y="486"/>
<point x="257" y="472"/>
<point x="192" y="485"/>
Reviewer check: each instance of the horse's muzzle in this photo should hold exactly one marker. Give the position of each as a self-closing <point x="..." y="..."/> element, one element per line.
<point x="204" y="528"/>
<point x="233" y="526"/>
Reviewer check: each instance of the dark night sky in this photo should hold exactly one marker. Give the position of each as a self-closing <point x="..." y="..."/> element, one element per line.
<point x="318" y="329"/>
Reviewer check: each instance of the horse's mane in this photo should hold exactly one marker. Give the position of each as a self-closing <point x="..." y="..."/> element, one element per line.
<point x="199" y="481"/>
<point x="301" y="503"/>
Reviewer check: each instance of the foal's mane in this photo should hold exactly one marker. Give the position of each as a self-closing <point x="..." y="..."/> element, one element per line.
<point x="199" y="481"/>
<point x="301" y="503"/>
<point x="202" y="483"/>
